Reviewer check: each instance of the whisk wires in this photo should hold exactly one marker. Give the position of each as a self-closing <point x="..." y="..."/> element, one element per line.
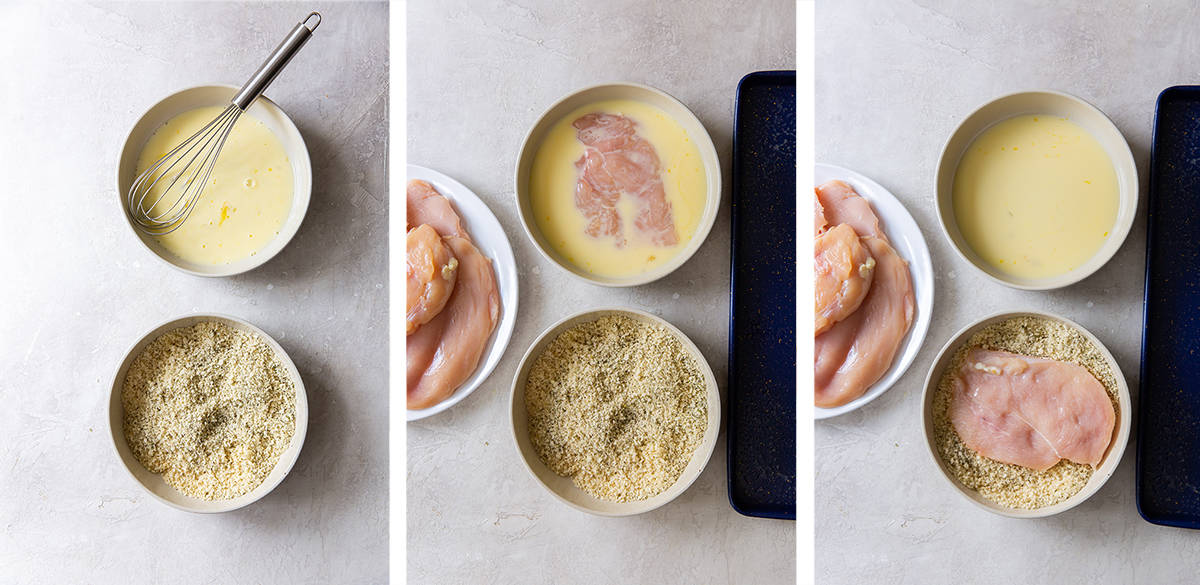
<point x="198" y="155"/>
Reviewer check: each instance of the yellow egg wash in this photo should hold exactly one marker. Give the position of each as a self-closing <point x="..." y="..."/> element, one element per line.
<point x="552" y="192"/>
<point x="1035" y="196"/>
<point x="248" y="196"/>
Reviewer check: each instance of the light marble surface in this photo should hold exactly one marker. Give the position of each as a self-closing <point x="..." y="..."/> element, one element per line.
<point x="81" y="289"/>
<point x="480" y="73"/>
<point x="893" y="80"/>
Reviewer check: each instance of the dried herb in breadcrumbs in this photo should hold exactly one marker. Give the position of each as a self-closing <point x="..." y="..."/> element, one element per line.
<point x="210" y="408"/>
<point x="618" y="405"/>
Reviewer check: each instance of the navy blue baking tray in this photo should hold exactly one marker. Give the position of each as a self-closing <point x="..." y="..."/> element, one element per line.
<point x="761" y="432"/>
<point x="1168" y="434"/>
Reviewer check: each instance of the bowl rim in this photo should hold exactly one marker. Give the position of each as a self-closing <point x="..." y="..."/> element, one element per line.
<point x="1100" y="474"/>
<point x="287" y="234"/>
<point x="713" y="193"/>
<point x="1121" y="229"/>
<point x="284" y="463"/>
<point x="706" y="447"/>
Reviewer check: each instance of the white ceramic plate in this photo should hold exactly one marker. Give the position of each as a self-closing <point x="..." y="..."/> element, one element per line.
<point x="906" y="238"/>
<point x="490" y="238"/>
<point x="264" y="110"/>
<point x="154" y="483"/>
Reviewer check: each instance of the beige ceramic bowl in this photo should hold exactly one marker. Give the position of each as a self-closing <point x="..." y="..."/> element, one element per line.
<point x="622" y="91"/>
<point x="152" y="482"/>
<point x="1107" y="465"/>
<point x="562" y="487"/>
<point x="1055" y="104"/>
<point x="273" y="117"/>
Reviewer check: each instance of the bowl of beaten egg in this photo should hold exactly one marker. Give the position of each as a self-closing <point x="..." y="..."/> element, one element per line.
<point x="257" y="194"/>
<point x="618" y="184"/>
<point x="1036" y="189"/>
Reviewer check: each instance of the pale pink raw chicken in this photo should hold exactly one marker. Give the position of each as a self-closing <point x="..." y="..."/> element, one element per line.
<point x="432" y="272"/>
<point x="855" y="352"/>
<point x="427" y="206"/>
<point x="445" y="351"/>
<point x="618" y="162"/>
<point x="821" y="223"/>
<point x="1030" y="411"/>
<point x="844" y="271"/>
<point x="838" y="203"/>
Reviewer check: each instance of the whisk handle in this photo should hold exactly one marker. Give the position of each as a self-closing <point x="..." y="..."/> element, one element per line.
<point x="279" y="59"/>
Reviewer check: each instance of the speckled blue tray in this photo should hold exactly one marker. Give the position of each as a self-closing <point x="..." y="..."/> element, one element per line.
<point x="1168" y="434"/>
<point x="761" y="432"/>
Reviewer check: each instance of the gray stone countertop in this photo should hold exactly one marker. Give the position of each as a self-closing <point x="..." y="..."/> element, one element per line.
<point x="81" y="289"/>
<point x="893" y="81"/>
<point x="479" y="74"/>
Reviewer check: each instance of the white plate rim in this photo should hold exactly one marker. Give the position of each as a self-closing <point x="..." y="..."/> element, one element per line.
<point x="491" y="239"/>
<point x="909" y="241"/>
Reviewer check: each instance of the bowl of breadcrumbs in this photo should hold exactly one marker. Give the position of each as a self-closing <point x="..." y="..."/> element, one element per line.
<point x="1004" y="488"/>
<point x="208" y="413"/>
<point x="614" y="411"/>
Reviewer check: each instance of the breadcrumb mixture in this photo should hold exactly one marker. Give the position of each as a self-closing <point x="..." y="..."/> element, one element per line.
<point x="618" y="405"/>
<point x="1009" y="485"/>
<point x="210" y="408"/>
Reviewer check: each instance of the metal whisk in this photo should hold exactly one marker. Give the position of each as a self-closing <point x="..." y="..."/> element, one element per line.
<point x="198" y="154"/>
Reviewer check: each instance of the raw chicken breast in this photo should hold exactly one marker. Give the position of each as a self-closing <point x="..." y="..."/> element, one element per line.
<point x="427" y="206"/>
<point x="856" y="351"/>
<point x="844" y="271"/>
<point x="617" y="161"/>
<point x="1030" y="411"/>
<point x="443" y="353"/>
<point x="840" y="203"/>
<point x="821" y="222"/>
<point x="432" y="271"/>
<point x="420" y="349"/>
<point x="596" y="195"/>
